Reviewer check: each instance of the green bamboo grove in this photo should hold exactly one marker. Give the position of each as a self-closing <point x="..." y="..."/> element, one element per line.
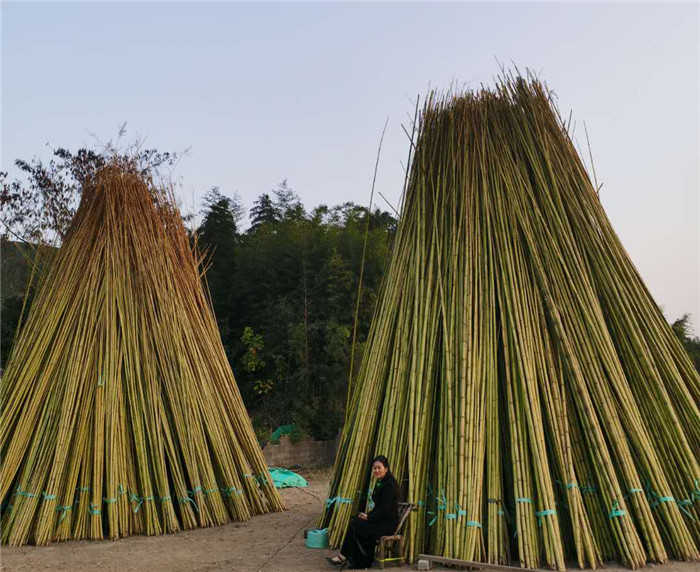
<point x="119" y="411"/>
<point x="531" y="398"/>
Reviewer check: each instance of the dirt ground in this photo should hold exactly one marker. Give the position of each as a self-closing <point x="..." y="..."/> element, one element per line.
<point x="266" y="543"/>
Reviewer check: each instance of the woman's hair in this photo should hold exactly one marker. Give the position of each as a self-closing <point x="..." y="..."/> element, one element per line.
<point x="381" y="459"/>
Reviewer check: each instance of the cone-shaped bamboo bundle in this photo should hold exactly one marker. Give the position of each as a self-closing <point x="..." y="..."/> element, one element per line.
<point x="120" y="413"/>
<point x="518" y="375"/>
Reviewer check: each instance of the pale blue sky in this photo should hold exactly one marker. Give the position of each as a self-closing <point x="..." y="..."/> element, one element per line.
<point x="261" y="92"/>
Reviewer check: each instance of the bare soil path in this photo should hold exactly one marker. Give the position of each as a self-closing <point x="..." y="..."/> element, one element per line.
<point x="269" y="543"/>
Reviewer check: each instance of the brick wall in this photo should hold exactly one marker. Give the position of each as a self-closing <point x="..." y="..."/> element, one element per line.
<point x="306" y="453"/>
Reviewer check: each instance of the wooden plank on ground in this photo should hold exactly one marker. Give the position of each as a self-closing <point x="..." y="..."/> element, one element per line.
<point x="475" y="565"/>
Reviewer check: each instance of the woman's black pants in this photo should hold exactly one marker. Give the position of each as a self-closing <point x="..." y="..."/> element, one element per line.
<point x="360" y="542"/>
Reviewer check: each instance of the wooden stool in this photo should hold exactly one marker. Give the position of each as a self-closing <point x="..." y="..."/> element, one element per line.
<point x="387" y="546"/>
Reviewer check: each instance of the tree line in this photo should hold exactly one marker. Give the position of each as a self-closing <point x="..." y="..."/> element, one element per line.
<point x="283" y="290"/>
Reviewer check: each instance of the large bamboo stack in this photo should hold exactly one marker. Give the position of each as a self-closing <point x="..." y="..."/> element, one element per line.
<point x="518" y="375"/>
<point x="119" y="412"/>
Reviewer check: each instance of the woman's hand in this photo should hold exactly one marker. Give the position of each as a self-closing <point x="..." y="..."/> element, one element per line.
<point x="362" y="515"/>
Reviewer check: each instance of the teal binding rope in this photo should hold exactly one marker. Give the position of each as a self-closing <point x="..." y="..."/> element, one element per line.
<point x="64" y="510"/>
<point x="47" y="496"/>
<point x="523" y="500"/>
<point x="616" y="511"/>
<point x="188" y="499"/>
<point x="94" y="510"/>
<point x="339" y="500"/>
<point x="230" y="490"/>
<point x="442" y="501"/>
<point x="661" y="500"/>
<point x="432" y="521"/>
<point x="542" y="513"/>
<point x="684" y="503"/>
<point x="134" y="498"/>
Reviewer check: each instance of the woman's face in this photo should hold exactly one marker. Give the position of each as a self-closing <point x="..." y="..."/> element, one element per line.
<point x="378" y="470"/>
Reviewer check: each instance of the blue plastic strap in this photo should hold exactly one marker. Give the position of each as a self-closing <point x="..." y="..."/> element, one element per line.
<point x="109" y="500"/>
<point x="48" y="497"/>
<point x="94" y="509"/>
<point x="572" y="486"/>
<point x="523" y="500"/>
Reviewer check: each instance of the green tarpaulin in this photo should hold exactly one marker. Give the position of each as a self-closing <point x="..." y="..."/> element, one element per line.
<point x="281" y="430"/>
<point x="283" y="478"/>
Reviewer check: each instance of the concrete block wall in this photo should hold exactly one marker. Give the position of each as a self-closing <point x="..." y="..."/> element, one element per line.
<point x="306" y="453"/>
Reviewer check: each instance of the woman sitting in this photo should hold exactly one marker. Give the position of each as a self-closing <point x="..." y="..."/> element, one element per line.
<point x="366" y="528"/>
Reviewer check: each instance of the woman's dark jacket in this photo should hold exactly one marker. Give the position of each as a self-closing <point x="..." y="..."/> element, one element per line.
<point x="384" y="517"/>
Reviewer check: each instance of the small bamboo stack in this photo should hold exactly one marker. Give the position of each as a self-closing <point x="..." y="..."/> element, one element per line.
<point x="120" y="413"/>
<point x="528" y="392"/>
